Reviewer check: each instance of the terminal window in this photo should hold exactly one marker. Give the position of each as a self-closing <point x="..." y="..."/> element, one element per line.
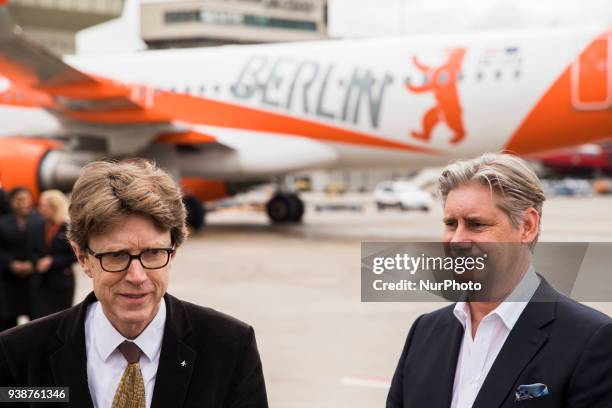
<point x="228" y="18"/>
<point x="183" y="16"/>
<point x="260" y="21"/>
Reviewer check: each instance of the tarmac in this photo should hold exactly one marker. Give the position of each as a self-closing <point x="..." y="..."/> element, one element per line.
<point x="299" y="287"/>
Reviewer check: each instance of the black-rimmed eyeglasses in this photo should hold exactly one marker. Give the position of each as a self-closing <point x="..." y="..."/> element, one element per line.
<point x="119" y="261"/>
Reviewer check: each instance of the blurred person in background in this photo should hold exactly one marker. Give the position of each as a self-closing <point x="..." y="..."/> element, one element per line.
<point x="5" y="208"/>
<point x="52" y="284"/>
<point x="17" y="256"/>
<point x="130" y="343"/>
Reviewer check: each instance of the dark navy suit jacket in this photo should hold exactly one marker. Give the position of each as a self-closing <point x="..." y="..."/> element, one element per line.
<point x="556" y="341"/>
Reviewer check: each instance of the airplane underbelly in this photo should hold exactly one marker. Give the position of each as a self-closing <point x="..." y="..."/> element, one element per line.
<point x="26" y="121"/>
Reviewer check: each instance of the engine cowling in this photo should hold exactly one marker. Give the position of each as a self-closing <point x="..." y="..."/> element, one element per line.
<point x="38" y="164"/>
<point x="213" y="190"/>
<point x="20" y="161"/>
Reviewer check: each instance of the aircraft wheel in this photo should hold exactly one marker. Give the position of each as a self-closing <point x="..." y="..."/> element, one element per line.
<point x="283" y="208"/>
<point x="297" y="208"/>
<point x="195" y="212"/>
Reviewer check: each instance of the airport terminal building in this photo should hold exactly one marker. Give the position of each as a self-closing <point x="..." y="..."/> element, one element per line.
<point x="171" y="24"/>
<point x="54" y="23"/>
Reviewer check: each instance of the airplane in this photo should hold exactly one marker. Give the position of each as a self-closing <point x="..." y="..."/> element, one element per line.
<point x="589" y="160"/>
<point x="224" y="119"/>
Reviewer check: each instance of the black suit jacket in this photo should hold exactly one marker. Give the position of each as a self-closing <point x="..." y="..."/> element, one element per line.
<point x="222" y="368"/>
<point x="20" y="245"/>
<point x="4" y="204"/>
<point x="560" y="343"/>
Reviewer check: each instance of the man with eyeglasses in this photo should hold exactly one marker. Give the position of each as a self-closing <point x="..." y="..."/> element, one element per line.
<point x="130" y="344"/>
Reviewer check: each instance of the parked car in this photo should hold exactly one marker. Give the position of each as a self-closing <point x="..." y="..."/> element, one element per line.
<point x="403" y="195"/>
<point x="568" y="187"/>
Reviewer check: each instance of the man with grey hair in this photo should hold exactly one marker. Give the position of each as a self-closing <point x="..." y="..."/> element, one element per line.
<point x="527" y="341"/>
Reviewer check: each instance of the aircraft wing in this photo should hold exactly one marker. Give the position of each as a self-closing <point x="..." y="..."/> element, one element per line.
<point x="30" y="65"/>
<point x="82" y="102"/>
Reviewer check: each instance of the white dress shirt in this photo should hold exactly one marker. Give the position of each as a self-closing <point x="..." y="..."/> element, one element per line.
<point x="477" y="354"/>
<point x="105" y="363"/>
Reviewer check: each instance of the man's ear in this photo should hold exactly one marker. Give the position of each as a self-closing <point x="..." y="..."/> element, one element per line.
<point x="531" y="225"/>
<point x="172" y="255"/>
<point x="81" y="257"/>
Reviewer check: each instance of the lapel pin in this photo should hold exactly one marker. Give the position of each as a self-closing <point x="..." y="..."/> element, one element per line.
<point x="183" y="363"/>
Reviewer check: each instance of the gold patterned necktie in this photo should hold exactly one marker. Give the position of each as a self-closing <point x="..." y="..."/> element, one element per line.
<point x="131" y="391"/>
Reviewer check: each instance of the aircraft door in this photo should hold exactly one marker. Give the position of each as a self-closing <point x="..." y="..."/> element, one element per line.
<point x="591" y="76"/>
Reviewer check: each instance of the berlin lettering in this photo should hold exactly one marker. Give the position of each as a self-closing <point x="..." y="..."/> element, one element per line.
<point x="313" y="88"/>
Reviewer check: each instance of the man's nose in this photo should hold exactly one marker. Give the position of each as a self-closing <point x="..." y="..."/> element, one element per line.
<point x="136" y="274"/>
<point x="461" y="236"/>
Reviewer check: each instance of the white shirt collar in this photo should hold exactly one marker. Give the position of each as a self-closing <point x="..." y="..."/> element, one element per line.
<point x="107" y="338"/>
<point x="511" y="308"/>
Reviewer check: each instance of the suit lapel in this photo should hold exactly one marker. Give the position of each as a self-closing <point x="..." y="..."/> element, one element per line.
<point x="69" y="363"/>
<point x="522" y="344"/>
<point x="176" y="361"/>
<point x="450" y="337"/>
<point x="431" y="384"/>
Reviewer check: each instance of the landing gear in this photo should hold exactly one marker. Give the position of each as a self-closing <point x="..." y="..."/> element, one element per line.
<point x="285" y="208"/>
<point x="195" y="212"/>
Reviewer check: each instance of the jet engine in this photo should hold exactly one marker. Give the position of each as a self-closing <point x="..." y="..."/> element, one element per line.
<point x="39" y="164"/>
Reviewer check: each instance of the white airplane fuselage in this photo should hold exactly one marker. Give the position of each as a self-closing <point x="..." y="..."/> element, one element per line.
<point x="406" y="102"/>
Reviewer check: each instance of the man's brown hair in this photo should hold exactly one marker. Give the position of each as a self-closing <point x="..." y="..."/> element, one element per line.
<point x="107" y="191"/>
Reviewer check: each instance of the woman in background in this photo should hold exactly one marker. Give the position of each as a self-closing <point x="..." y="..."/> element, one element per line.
<point x="18" y="256"/>
<point x="52" y="286"/>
